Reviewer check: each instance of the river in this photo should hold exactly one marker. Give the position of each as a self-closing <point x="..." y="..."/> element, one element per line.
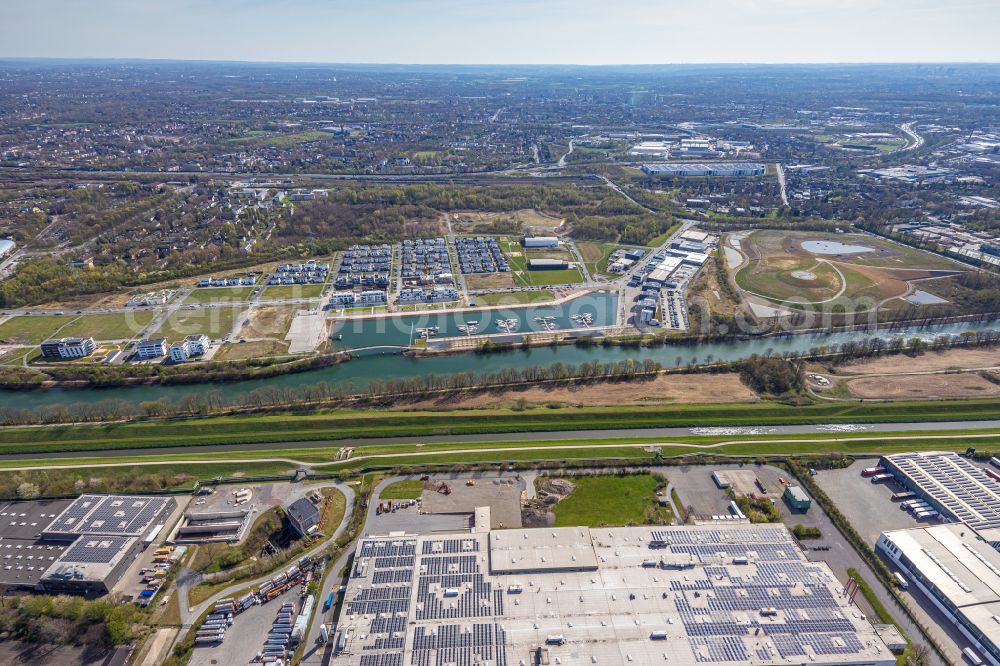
<point x="364" y="368"/>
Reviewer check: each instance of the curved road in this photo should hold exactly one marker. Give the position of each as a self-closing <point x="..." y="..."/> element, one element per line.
<point x="554" y="435"/>
<point x="185" y="581"/>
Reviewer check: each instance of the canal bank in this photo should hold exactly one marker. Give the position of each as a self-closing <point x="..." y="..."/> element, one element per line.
<point x="364" y="368"/>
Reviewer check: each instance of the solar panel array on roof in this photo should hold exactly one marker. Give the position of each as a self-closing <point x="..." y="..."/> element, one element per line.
<point x="746" y="594"/>
<point x="110" y="514"/>
<point x="94" y="550"/>
<point x="954" y="486"/>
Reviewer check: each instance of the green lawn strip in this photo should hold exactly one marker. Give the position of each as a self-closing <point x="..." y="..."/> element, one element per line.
<point x="112" y="326"/>
<point x="608" y="500"/>
<point x="286" y="291"/>
<point x="350" y="424"/>
<point x="326" y="460"/>
<point x="662" y="238"/>
<point x="881" y="612"/>
<point x="218" y="294"/>
<point x="401" y="490"/>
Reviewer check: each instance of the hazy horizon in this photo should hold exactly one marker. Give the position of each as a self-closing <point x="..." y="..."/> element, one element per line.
<point x="518" y="32"/>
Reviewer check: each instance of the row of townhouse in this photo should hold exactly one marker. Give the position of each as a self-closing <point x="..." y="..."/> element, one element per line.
<point x="435" y="295"/>
<point x="371" y="297"/>
<point x="245" y="281"/>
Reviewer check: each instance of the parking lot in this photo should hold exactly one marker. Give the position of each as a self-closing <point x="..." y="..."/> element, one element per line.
<point x="412" y="521"/>
<point x="245" y="638"/>
<point x="868" y="505"/>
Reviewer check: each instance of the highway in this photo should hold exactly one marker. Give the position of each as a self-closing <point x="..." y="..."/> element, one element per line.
<point x="547" y="436"/>
<point x="780" y="171"/>
<point x="917" y="140"/>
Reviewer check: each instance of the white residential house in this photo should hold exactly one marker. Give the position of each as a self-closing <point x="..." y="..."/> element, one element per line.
<point x="179" y="352"/>
<point x="151" y="348"/>
<point x="197" y="344"/>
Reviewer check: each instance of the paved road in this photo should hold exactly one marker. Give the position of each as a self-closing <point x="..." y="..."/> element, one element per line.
<point x="910" y="132"/>
<point x="780" y="170"/>
<point x="555" y="435"/>
<point x="187" y="578"/>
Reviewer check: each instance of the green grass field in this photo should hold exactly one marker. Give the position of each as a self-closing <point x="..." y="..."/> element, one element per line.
<point x="219" y="294"/>
<point x="612" y="500"/>
<point x="31" y="329"/>
<point x="518" y="257"/>
<point x="595" y="256"/>
<point x="282" y="140"/>
<point x="111" y="326"/>
<point x="410" y="489"/>
<point x="214" y="322"/>
<point x="286" y="291"/>
<point x="662" y="238"/>
<point x="375" y="423"/>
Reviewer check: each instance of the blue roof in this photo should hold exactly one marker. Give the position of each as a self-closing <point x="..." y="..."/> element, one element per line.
<point x="6" y="246"/>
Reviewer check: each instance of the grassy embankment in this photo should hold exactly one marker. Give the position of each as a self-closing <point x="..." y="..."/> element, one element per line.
<point x="345" y="424"/>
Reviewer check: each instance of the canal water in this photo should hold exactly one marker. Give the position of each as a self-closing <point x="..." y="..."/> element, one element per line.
<point x="369" y="366"/>
<point x="597" y="307"/>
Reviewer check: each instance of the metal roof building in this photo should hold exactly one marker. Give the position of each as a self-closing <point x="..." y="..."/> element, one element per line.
<point x="953" y="486"/>
<point x="739" y="594"/>
<point x="959" y="572"/>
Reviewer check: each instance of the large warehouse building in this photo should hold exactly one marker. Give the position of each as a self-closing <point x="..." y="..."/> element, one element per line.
<point x="107" y="533"/>
<point x="690" y="169"/>
<point x="624" y="596"/>
<point x="953" y="486"/>
<point x="82" y="545"/>
<point x="959" y="572"/>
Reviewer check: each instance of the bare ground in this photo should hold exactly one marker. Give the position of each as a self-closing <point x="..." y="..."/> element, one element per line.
<point x="269" y="322"/>
<point x="965" y="385"/>
<point x="665" y="388"/>
<point x="538" y="512"/>
<point x="927" y="362"/>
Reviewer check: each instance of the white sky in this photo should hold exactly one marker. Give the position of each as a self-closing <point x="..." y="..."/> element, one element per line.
<point x="506" y="31"/>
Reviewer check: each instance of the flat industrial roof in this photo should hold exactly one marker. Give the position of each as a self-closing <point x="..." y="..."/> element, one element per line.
<point x="24" y="555"/>
<point x="960" y="565"/>
<point x="442" y="599"/>
<point x="955" y="560"/>
<point x="959" y="489"/>
<point x="122" y="515"/>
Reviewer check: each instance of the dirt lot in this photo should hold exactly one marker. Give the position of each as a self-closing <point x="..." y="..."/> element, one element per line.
<point x="269" y="322"/>
<point x="954" y="358"/>
<point x="965" y="385"/>
<point x="469" y="221"/>
<point x="490" y="281"/>
<point x="665" y="388"/>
